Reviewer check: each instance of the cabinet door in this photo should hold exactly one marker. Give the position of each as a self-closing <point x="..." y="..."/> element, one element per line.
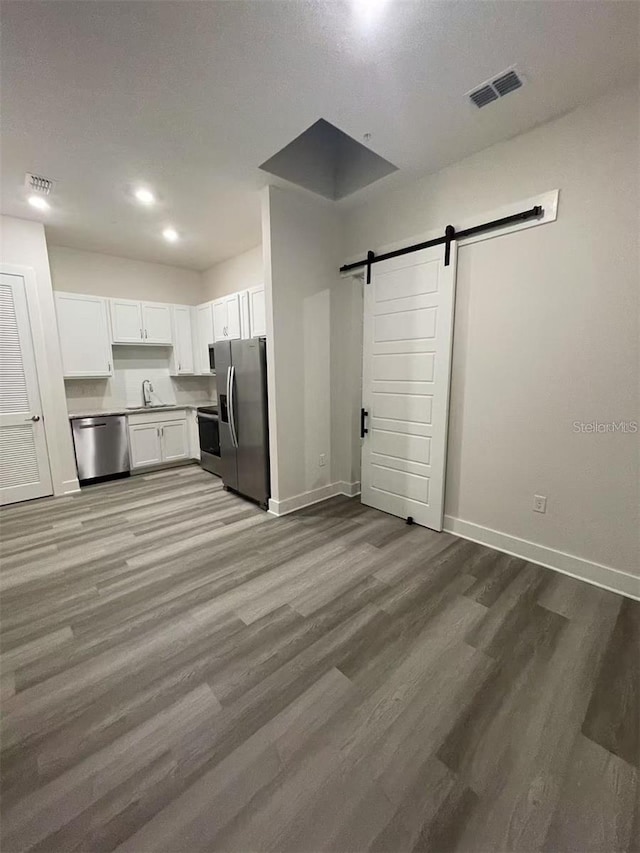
<point x="174" y="441"/>
<point x="233" y="316"/>
<point x="144" y="442"/>
<point x="126" y="322"/>
<point x="83" y="331"/>
<point x="257" y="312"/>
<point x="205" y="336"/>
<point x="193" y="434"/>
<point x="183" y="339"/>
<point x="156" y="323"/>
<point x="245" y="320"/>
<point x="220" y="320"/>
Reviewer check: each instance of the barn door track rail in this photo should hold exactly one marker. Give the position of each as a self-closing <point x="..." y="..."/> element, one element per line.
<point x="450" y="234"/>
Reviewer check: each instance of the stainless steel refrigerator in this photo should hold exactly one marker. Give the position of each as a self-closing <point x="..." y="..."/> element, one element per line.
<point x="241" y="375"/>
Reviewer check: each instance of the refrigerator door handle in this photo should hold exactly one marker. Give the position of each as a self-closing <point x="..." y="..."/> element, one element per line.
<point x="227" y="405"/>
<point x="232" y="414"/>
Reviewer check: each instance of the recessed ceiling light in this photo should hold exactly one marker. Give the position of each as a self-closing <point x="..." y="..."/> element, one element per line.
<point x="38" y="202"/>
<point x="368" y="12"/>
<point x="144" y="195"/>
<point x="170" y="234"/>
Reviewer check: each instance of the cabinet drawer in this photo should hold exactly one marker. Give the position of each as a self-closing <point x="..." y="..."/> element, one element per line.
<point x="157" y="416"/>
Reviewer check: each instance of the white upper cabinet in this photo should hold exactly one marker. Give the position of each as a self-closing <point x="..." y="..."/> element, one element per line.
<point x="204" y="337"/>
<point x="156" y="323"/>
<point x="220" y="320"/>
<point x="126" y="321"/>
<point x="245" y="321"/>
<point x="257" y="312"/>
<point x="226" y="318"/>
<point x="183" y="351"/>
<point x="233" y="316"/>
<point x="140" y="322"/>
<point x="83" y="330"/>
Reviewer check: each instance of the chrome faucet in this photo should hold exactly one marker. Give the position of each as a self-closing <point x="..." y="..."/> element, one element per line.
<point x="147" y="391"/>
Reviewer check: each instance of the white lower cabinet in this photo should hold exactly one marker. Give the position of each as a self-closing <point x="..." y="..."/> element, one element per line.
<point x="174" y="441"/>
<point x="157" y="437"/>
<point x="193" y="434"/>
<point x="144" y="442"/>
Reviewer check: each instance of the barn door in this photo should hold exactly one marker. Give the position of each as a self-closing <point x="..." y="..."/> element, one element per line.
<point x="408" y="331"/>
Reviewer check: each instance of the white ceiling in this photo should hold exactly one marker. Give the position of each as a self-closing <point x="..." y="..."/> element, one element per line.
<point x="190" y="97"/>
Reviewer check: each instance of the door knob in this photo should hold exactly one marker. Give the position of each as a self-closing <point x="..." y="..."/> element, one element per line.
<point x="35" y="417"/>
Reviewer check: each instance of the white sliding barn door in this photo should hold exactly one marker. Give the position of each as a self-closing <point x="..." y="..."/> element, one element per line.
<point x="408" y="331"/>
<point x="24" y="462"/>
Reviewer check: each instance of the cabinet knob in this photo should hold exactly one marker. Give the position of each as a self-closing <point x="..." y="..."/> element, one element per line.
<point x="34" y="418"/>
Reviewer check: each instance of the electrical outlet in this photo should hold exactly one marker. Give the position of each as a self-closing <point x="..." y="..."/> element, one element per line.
<point x="539" y="503"/>
<point x="323" y="460"/>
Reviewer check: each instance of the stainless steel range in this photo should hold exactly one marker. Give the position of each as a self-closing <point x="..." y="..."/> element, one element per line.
<point x="209" y="433"/>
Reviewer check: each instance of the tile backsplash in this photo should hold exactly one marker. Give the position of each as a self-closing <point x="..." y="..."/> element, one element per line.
<point x="131" y="365"/>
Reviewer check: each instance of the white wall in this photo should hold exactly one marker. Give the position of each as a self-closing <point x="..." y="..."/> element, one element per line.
<point x="78" y="271"/>
<point x="303" y="288"/>
<point x="546" y="331"/>
<point x="23" y="244"/>
<point x="230" y="276"/>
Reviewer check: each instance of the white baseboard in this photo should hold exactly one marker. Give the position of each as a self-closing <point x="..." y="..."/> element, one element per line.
<point x="348" y="489"/>
<point x="314" y="496"/>
<point x="69" y="487"/>
<point x="568" y="564"/>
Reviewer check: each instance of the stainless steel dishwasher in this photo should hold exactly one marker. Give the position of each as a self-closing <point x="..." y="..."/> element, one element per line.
<point x="102" y="446"/>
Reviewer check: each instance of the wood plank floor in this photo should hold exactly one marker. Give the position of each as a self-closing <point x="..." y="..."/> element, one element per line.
<point x="183" y="672"/>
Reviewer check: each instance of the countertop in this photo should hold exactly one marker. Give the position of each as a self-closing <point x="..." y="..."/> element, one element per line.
<point x="125" y="410"/>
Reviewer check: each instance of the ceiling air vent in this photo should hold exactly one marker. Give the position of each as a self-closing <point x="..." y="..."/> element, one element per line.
<point x="38" y="184"/>
<point x="496" y="88"/>
<point x="507" y="83"/>
<point x="482" y="97"/>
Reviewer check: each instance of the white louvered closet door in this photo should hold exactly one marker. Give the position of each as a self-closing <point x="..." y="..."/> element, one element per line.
<point x="24" y="462"/>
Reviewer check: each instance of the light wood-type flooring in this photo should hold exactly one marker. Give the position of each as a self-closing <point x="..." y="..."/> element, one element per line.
<point x="183" y="672"/>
